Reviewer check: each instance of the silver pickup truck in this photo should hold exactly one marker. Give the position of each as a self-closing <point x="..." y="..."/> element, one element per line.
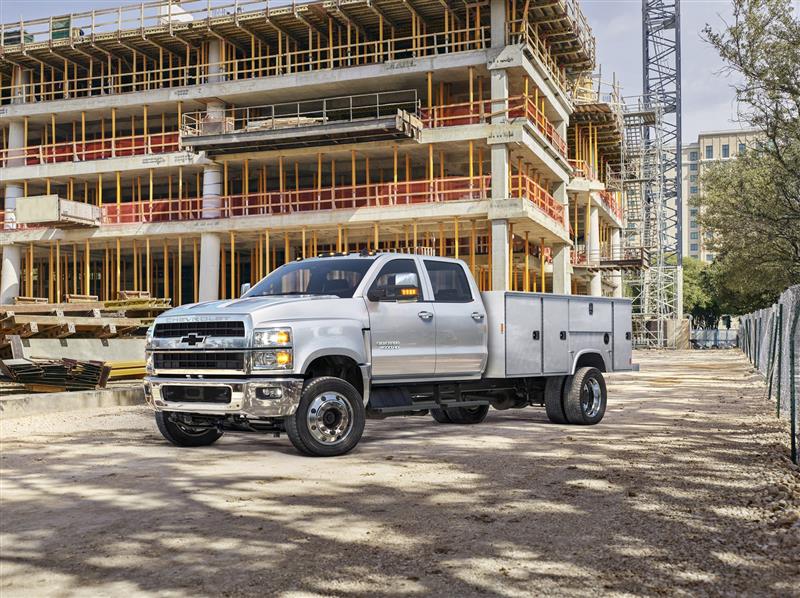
<point x="321" y="344"/>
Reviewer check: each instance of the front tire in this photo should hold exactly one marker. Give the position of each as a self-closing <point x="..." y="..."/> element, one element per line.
<point x="181" y="435"/>
<point x="585" y="399"/>
<point x="329" y="420"/>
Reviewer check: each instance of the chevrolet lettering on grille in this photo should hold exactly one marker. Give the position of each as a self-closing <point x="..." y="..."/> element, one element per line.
<point x="193" y="339"/>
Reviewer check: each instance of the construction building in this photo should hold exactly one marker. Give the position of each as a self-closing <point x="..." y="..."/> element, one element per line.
<point x="710" y="147"/>
<point x="184" y="148"/>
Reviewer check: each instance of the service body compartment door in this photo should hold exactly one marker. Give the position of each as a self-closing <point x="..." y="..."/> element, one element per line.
<point x="555" y="335"/>
<point x="523" y="335"/>
<point x="623" y="336"/>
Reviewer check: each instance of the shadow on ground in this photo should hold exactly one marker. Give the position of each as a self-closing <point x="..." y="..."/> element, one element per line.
<point x="662" y="497"/>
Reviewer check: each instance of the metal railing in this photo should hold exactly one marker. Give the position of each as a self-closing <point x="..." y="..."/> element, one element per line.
<point x="478" y="112"/>
<point x="96" y="149"/>
<point x="154" y="77"/>
<point x="299" y="114"/>
<point x="325" y="198"/>
<point x="521" y="31"/>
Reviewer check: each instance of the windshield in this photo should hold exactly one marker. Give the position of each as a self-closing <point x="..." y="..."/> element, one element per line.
<point x="327" y="276"/>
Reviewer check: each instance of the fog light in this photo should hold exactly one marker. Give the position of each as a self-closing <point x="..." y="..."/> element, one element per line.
<point x="269" y="393"/>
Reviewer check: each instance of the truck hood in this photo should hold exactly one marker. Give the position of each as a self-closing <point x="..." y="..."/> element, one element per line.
<point x="283" y="309"/>
<point x="246" y="306"/>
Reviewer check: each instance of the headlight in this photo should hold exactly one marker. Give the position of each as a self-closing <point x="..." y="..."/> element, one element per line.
<point x="272" y="337"/>
<point x="148" y="339"/>
<point x="148" y="365"/>
<point x="272" y="359"/>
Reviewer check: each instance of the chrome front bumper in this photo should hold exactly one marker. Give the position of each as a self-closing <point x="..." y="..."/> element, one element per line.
<point x="244" y="399"/>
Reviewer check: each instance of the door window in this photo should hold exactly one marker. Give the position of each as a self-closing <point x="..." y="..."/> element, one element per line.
<point x="397" y="281"/>
<point x="449" y="282"/>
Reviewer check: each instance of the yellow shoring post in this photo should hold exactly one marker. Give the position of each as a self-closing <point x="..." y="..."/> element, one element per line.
<point x="442" y="244"/>
<point x="415" y="236"/>
<point x="472" y="243"/>
<point x="527" y="275"/>
<point x="135" y="267"/>
<point x="286" y="247"/>
<point x="58" y="271"/>
<point x="339" y="238"/>
<point x="587" y="227"/>
<point x="511" y="256"/>
<point x="47" y="185"/>
<point x="118" y="268"/>
<point x="179" y="272"/>
<point x="119" y="195"/>
<point x="233" y="264"/>
<point x="471" y="165"/>
<point x="113" y="132"/>
<point x="267" y="269"/>
<point x="541" y="263"/>
<point x="303" y="243"/>
<point x="353" y="176"/>
<point x="29" y="288"/>
<point x="455" y="238"/>
<point x="376" y="239"/>
<point x="165" y="273"/>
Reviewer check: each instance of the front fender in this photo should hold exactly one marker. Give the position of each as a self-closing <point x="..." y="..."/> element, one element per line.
<point x="320" y="338"/>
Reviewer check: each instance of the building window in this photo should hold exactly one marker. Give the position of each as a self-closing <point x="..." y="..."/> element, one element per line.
<point x="693" y="190"/>
<point x="693" y="178"/>
<point x="693" y="247"/>
<point x="693" y="212"/>
<point x="693" y="224"/>
<point x="693" y="156"/>
<point x="726" y="150"/>
<point x="741" y="148"/>
<point x="709" y="257"/>
<point x="693" y="167"/>
<point x="694" y="236"/>
<point x="709" y="152"/>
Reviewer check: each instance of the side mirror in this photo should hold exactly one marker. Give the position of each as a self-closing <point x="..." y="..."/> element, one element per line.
<point x="394" y="293"/>
<point x="244" y="288"/>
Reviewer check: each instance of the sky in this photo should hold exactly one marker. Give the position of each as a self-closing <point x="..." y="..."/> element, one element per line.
<point x="708" y="99"/>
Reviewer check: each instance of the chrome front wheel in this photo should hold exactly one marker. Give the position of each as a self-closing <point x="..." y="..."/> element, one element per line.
<point x="330" y="418"/>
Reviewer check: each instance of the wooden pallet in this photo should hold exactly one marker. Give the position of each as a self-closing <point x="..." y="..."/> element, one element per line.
<point x="28" y="325"/>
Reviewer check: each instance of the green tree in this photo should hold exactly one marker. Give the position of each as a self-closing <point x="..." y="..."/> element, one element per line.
<point x="751" y="206"/>
<point x="698" y="294"/>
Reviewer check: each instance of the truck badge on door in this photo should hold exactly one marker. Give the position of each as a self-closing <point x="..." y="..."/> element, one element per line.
<point x="389" y="345"/>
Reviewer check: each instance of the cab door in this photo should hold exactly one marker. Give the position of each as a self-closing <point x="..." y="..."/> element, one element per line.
<point x="461" y="328"/>
<point x="402" y="323"/>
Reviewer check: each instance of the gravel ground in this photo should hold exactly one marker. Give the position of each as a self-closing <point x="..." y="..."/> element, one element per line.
<point x="682" y="490"/>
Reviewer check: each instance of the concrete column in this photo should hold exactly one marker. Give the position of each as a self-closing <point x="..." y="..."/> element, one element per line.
<point x="616" y="253"/>
<point x="13" y="192"/>
<point x="10" y="273"/>
<point x="562" y="276"/>
<point x="215" y="69"/>
<point x="210" y="246"/>
<point x="499" y="91"/>
<point x="498" y="26"/>
<point x="500" y="182"/>
<point x="20" y="92"/>
<point x="212" y="189"/>
<point x="500" y="253"/>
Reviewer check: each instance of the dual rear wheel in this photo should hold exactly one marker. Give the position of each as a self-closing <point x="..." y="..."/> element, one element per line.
<point x="578" y="399"/>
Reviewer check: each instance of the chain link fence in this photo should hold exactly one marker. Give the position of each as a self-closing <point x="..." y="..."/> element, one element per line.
<point x="771" y="340"/>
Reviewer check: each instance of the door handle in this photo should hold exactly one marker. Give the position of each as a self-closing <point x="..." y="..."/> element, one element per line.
<point x="425" y="315"/>
<point x="477" y="316"/>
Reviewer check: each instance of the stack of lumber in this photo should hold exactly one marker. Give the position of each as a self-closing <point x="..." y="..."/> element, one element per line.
<point x="56" y="375"/>
<point x="80" y="316"/>
<point x="126" y="369"/>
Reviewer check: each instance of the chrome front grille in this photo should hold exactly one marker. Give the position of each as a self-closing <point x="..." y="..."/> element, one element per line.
<point x="199" y="360"/>
<point x="215" y="329"/>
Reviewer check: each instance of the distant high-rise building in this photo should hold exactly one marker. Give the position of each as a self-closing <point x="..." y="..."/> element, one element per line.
<point x="710" y="147"/>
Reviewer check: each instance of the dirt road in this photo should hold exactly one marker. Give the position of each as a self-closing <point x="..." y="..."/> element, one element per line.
<point x="681" y="490"/>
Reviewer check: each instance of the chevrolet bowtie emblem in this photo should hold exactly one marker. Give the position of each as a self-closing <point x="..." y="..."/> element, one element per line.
<point x="193" y="339"/>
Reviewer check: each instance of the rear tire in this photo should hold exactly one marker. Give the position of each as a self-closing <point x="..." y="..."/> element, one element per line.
<point x="440" y="415"/>
<point x="182" y="436"/>
<point x="585" y="399"/>
<point x="468" y="415"/>
<point x="553" y="402"/>
<point x="329" y="420"/>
